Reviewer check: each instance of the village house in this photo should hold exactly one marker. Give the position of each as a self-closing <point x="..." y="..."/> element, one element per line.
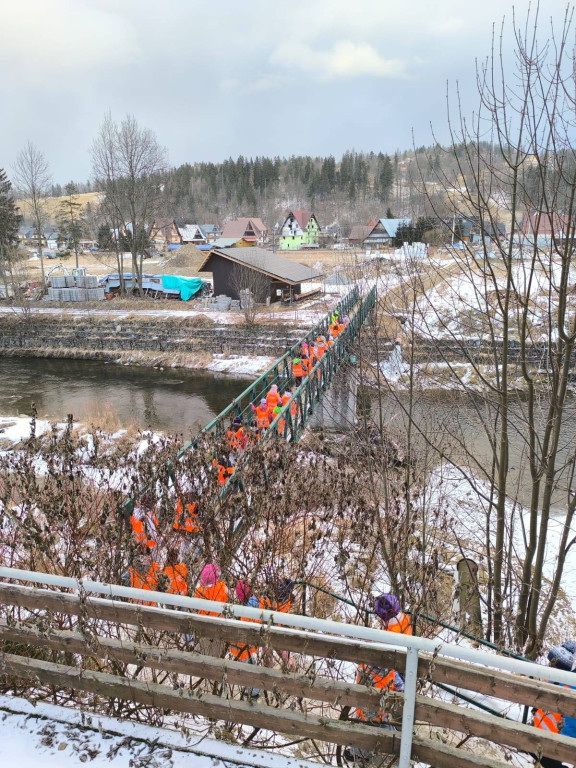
<point x="543" y="229"/>
<point x="358" y="233"/>
<point x="190" y="233"/>
<point x="300" y="230"/>
<point x="383" y="233"/>
<point x="244" y="232"/>
<point x="164" y="232"/>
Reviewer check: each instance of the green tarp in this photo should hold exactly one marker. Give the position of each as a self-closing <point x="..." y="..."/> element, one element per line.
<point x="188" y="286"/>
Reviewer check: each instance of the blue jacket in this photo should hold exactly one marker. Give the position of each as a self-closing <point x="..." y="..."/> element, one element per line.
<point x="569" y="723"/>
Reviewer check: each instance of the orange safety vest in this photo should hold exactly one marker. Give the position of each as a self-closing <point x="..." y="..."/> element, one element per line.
<point x="237" y="439"/>
<point x="190" y="524"/>
<point x="140" y="533"/>
<point x="320" y="349"/>
<point x="216" y="592"/>
<point x="334" y="329"/>
<point x="137" y="581"/>
<point x="297" y="370"/>
<point x="272" y="400"/>
<point x="176" y="575"/>
<point x="401" y="624"/>
<point x="262" y="416"/>
<point x="382" y="680"/>
<point x="547" y="721"/>
<point x="243" y="652"/>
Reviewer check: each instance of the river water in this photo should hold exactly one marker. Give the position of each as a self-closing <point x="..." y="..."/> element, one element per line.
<point x="177" y="401"/>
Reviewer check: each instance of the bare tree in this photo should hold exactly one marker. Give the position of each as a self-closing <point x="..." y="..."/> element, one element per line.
<point x="32" y="178"/>
<point x="126" y="160"/>
<point x="506" y="307"/>
<point x="253" y="288"/>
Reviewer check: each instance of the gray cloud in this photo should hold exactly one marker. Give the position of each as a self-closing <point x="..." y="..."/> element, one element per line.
<point x="222" y="78"/>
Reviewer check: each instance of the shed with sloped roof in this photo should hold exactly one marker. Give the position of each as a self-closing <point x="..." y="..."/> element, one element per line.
<point x="280" y="275"/>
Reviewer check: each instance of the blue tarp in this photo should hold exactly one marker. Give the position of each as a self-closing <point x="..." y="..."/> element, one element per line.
<point x="188" y="286"/>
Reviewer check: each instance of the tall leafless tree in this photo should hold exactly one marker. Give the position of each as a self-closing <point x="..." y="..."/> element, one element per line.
<point x="32" y="179"/>
<point x="513" y="315"/>
<point x="126" y="161"/>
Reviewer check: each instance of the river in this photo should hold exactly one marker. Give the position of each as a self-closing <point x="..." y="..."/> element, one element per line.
<point x="176" y="401"/>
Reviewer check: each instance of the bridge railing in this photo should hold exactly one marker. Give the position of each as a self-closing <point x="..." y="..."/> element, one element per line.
<point x="102" y="651"/>
<point x="297" y="413"/>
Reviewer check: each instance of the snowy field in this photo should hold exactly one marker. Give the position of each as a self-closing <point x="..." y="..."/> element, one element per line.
<point x="50" y="736"/>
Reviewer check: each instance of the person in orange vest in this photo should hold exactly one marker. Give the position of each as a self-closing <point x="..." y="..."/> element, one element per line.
<point x="272" y="400"/>
<point x="236" y="435"/>
<point x="334" y="329"/>
<point x="392" y="619"/>
<point x="211" y="587"/>
<point x="243" y="652"/>
<point x="297" y="370"/>
<point x="261" y="412"/>
<point x="175" y="574"/>
<point x="386" y="608"/>
<point x="224" y="470"/>
<point x="144" y="527"/>
<point x="281" y="421"/>
<point x="561" y="657"/>
<point x="187" y="523"/>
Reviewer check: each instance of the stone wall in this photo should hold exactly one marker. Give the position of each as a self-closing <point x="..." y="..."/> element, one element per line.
<point x="105" y="338"/>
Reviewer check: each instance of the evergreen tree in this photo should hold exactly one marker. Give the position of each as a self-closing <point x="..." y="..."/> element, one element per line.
<point x="9" y="222"/>
<point x="69" y="218"/>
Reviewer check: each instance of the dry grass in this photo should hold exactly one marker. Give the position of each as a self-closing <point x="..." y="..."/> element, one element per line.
<point x="52" y="204"/>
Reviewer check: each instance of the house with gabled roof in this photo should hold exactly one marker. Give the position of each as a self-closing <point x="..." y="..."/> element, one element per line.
<point x="383" y="233"/>
<point x="359" y="232"/>
<point x="300" y="230"/>
<point x="284" y="276"/>
<point x="245" y="231"/>
<point x="190" y="233"/>
<point x="164" y="232"/>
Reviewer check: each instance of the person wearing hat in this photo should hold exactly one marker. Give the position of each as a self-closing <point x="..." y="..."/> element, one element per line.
<point x="297" y="370"/>
<point x="560" y="657"/>
<point x="211" y="587"/>
<point x="236" y="435"/>
<point x="392" y="619"/>
<point x="386" y="608"/>
<point x="261" y="411"/>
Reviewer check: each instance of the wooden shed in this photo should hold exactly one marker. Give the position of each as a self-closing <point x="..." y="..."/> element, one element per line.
<point x="267" y="275"/>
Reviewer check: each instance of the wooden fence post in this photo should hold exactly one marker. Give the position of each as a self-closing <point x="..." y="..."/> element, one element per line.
<point x="469" y="612"/>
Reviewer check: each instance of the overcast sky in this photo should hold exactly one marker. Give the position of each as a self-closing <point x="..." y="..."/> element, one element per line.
<point x="219" y="78"/>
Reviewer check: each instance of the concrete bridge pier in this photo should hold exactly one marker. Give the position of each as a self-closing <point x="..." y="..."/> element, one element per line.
<point x="337" y="411"/>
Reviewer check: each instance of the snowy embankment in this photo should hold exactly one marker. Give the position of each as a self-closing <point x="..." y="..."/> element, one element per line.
<point x="53" y="736"/>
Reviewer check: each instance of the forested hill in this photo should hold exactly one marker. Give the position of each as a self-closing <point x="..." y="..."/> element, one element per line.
<point x="357" y="184"/>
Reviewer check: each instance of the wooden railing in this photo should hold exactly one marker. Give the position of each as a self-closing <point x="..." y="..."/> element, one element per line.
<point x="102" y="651"/>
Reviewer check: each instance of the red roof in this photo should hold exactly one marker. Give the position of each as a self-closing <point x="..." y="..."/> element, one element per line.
<point x="238" y="228"/>
<point x="302" y="217"/>
<point x="545" y="223"/>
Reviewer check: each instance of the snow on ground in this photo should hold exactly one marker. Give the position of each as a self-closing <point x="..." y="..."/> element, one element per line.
<point x="16" y="429"/>
<point x="307" y="314"/>
<point x="465" y="503"/>
<point x="240" y="364"/>
<point x="54" y="736"/>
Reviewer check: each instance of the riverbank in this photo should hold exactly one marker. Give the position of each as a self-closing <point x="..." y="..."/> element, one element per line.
<point x="159" y="340"/>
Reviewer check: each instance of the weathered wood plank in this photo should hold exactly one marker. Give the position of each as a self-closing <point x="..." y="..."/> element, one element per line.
<point x="502" y="685"/>
<point x="197" y="665"/>
<point x="291" y="723"/>
<point x="441" y="755"/>
<point x="525" y="738"/>
<point x="265" y="635"/>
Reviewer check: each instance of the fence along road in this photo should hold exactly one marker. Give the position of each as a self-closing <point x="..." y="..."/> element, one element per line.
<point x="31" y="616"/>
